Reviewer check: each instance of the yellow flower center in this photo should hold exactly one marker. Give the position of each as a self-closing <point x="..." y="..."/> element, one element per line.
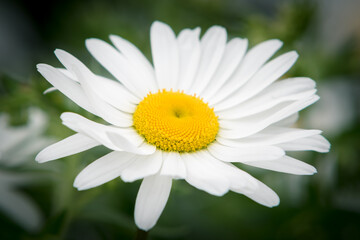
<point x="174" y="121"/>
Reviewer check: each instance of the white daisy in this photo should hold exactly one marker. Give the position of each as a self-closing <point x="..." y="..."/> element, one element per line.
<point x="17" y="146"/>
<point x="203" y="104"/>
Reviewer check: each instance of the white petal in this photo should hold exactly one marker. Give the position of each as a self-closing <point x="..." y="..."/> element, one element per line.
<point x="263" y="78"/>
<point x="17" y="143"/>
<point x="103" y="170"/>
<point x="314" y="143"/>
<point x="11" y="138"/>
<point x="189" y="54"/>
<point x="251" y="63"/>
<point x="21" y="209"/>
<point x="234" y="53"/>
<point x="142" y="166"/>
<point x="118" y="66"/>
<point x="244" y="127"/>
<point x="269" y="136"/>
<point x="49" y="90"/>
<point x="165" y="54"/>
<point x="291" y="89"/>
<point x="123" y="142"/>
<point x="115" y="94"/>
<point x="65" y="85"/>
<point x="66" y="147"/>
<point x="86" y="79"/>
<point x="285" y="164"/>
<point x="262" y="195"/>
<point x="135" y="56"/>
<point x="151" y="200"/>
<point x="202" y="174"/>
<point x="68" y="74"/>
<point x="118" y="139"/>
<point x="89" y="128"/>
<point x="21" y="154"/>
<point x="212" y="49"/>
<point x="241" y="182"/>
<point x="173" y="165"/>
<point x="288" y="121"/>
<point x="245" y="154"/>
<point x="110" y="91"/>
<point x="237" y="178"/>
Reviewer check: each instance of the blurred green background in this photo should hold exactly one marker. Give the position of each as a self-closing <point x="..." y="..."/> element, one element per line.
<point x="326" y="34"/>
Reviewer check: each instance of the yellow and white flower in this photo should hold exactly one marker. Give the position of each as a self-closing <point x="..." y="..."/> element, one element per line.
<point x="203" y="104"/>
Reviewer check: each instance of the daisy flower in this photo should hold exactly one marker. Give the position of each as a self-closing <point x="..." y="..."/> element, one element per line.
<point x="16" y="149"/>
<point x="203" y="104"/>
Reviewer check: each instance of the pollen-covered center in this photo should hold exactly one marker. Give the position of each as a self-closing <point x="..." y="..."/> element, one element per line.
<point x="174" y="121"/>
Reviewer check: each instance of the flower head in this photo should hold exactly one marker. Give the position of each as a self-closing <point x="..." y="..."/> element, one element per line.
<point x="203" y="104"/>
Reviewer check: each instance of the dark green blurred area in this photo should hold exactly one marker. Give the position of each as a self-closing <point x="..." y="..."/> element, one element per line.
<point x="326" y="34"/>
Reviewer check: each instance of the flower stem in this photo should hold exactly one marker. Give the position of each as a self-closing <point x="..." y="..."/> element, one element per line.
<point x="141" y="234"/>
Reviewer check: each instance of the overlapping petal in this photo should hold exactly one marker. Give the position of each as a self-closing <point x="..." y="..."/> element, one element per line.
<point x="118" y="139"/>
<point x="233" y="54"/>
<point x="103" y="170"/>
<point x="120" y="67"/>
<point x="285" y="164"/>
<point x="243" y="127"/>
<point x="203" y="174"/>
<point x="270" y="136"/>
<point x="246" y="153"/>
<point x="143" y="166"/>
<point x="173" y="165"/>
<point x="292" y="89"/>
<point x="270" y="72"/>
<point x="251" y="63"/>
<point x="212" y="46"/>
<point x="313" y="143"/>
<point x="66" y="85"/>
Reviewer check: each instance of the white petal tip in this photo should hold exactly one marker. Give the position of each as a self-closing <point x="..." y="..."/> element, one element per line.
<point x="310" y="171"/>
<point x="49" y="90"/>
<point x="90" y="41"/>
<point x="278" y="42"/>
<point x="274" y="204"/>
<point x="273" y="201"/>
<point x="220" y="194"/>
<point x="157" y="22"/>
<point x="39" y="158"/>
<point x="144" y="227"/>
<point x="42" y="157"/>
<point x="40" y="65"/>
<point x="159" y="26"/>
<point x="197" y="30"/>
<point x="294" y="54"/>
<point x="126" y="178"/>
<point x="79" y="185"/>
<point x="114" y="38"/>
<point x="42" y="68"/>
<point x="275" y="42"/>
<point x="327" y="146"/>
<point x="79" y="188"/>
<point x="218" y="28"/>
<point x="59" y="52"/>
<point x="66" y="116"/>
